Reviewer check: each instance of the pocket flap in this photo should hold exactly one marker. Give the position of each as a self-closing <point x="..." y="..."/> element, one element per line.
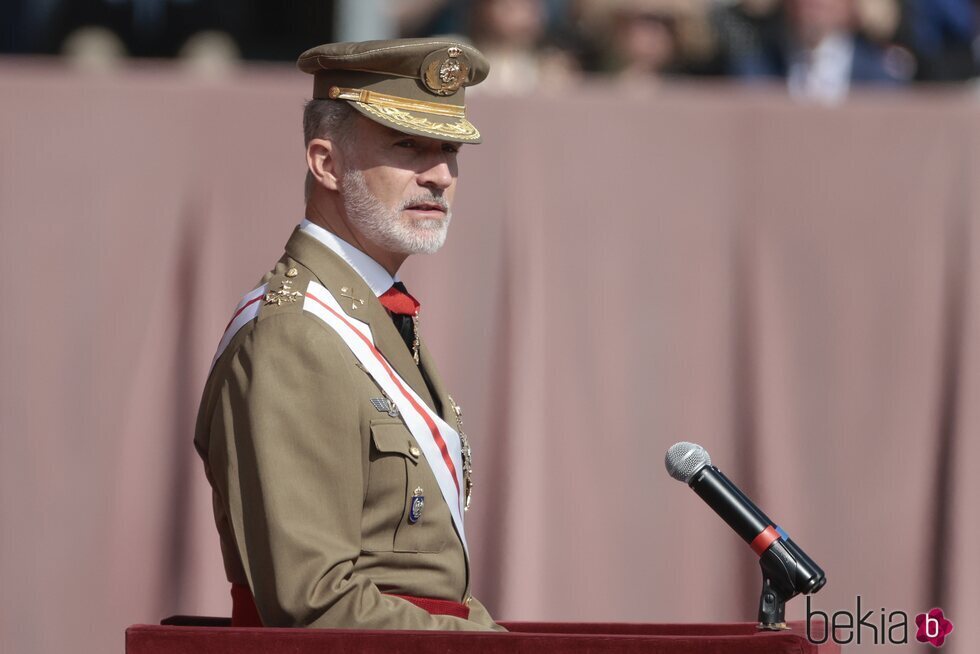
<point x="393" y="438"/>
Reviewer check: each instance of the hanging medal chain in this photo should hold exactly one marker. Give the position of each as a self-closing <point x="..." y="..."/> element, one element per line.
<point x="415" y="337"/>
<point x="467" y="455"/>
<point x="464" y="443"/>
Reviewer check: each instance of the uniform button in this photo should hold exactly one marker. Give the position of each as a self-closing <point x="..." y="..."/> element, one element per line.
<point x="414" y="451"/>
<point x="467" y="600"/>
<point x="292" y="272"/>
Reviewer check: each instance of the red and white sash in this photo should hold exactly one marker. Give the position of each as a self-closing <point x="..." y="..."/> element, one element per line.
<point x="246" y="310"/>
<point x="440" y="443"/>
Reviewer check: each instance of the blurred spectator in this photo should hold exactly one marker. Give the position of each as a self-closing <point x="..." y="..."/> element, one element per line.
<point x="645" y="43"/>
<point x="148" y="28"/>
<point x="430" y="17"/>
<point x="260" y="29"/>
<point x="943" y="34"/>
<point x="416" y="18"/>
<point x="820" y="47"/>
<point x="652" y="38"/>
<point x="823" y="49"/>
<point x="278" y="31"/>
<point x="744" y="27"/>
<point x="514" y="37"/>
<point x="878" y="19"/>
<point x="94" y="49"/>
<point x="209" y="54"/>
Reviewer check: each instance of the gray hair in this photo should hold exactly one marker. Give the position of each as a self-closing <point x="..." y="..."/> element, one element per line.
<point x="325" y="119"/>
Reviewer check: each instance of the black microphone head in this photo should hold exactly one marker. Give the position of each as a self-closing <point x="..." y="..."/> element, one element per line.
<point x="684" y="460"/>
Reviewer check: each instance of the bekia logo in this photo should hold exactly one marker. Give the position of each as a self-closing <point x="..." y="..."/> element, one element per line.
<point x="876" y="626"/>
<point x="933" y="627"/>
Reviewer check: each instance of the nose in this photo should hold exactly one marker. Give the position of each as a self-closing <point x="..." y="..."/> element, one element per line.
<point x="438" y="176"/>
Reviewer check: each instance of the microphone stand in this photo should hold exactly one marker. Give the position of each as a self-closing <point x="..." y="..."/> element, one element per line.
<point x="772" y="604"/>
<point x="785" y="574"/>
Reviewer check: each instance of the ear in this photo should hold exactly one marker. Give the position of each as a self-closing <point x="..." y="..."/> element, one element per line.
<point x="323" y="158"/>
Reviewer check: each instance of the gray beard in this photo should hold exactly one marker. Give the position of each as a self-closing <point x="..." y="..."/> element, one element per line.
<point x="386" y="227"/>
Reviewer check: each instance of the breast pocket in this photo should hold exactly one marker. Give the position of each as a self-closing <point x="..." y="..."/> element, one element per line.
<point x="396" y="472"/>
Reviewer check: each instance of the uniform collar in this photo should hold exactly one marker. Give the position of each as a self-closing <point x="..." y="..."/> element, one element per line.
<point x="377" y="278"/>
<point x="340" y="268"/>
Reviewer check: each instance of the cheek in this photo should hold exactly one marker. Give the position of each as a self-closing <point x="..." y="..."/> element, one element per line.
<point x="384" y="184"/>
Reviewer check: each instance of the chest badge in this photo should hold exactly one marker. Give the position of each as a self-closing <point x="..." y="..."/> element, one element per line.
<point x="416" y="506"/>
<point x="385" y="405"/>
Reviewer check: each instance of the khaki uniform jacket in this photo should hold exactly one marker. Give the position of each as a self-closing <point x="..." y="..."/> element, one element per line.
<point x="311" y="482"/>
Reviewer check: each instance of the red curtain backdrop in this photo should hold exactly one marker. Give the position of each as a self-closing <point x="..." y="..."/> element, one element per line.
<point x="794" y="287"/>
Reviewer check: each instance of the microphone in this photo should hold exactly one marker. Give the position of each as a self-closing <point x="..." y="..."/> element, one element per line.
<point x="785" y="566"/>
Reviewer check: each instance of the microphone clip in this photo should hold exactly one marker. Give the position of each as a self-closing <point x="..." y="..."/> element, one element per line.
<point x="786" y="572"/>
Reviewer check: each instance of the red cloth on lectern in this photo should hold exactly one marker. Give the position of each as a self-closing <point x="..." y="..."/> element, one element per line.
<point x="243" y="610"/>
<point x="741" y="638"/>
<point x="437" y="606"/>
<point x="245" y="614"/>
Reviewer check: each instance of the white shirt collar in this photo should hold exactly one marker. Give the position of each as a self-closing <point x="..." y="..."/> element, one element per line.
<point x="371" y="271"/>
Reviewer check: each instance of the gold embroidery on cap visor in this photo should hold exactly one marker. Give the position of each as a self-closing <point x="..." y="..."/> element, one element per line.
<point x="460" y="129"/>
<point x="373" y="97"/>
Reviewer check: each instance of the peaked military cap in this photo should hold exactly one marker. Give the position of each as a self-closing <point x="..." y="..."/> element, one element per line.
<point x="415" y="86"/>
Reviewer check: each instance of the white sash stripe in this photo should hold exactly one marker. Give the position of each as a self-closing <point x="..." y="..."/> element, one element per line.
<point x="246" y="310"/>
<point x="321" y="303"/>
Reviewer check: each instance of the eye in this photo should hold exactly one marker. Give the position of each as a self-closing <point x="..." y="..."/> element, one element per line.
<point x="452" y="148"/>
<point x="407" y="143"/>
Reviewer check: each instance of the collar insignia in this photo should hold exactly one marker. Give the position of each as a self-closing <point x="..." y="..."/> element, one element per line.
<point x="348" y="293"/>
<point x="283" y="295"/>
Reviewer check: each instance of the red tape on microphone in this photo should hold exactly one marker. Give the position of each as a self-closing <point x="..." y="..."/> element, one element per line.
<point x="762" y="542"/>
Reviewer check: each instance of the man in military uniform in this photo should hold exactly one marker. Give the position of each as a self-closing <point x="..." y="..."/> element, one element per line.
<point x="339" y="468"/>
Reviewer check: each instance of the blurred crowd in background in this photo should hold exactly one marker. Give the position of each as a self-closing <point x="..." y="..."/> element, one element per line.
<point x="819" y="49"/>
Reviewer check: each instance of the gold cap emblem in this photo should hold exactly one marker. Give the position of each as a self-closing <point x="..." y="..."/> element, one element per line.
<point x="444" y="71"/>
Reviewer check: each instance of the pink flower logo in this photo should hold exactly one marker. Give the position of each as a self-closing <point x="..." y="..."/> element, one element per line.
<point x="933" y="627"/>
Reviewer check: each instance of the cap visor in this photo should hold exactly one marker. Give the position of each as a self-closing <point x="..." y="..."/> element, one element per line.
<point x="417" y="123"/>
